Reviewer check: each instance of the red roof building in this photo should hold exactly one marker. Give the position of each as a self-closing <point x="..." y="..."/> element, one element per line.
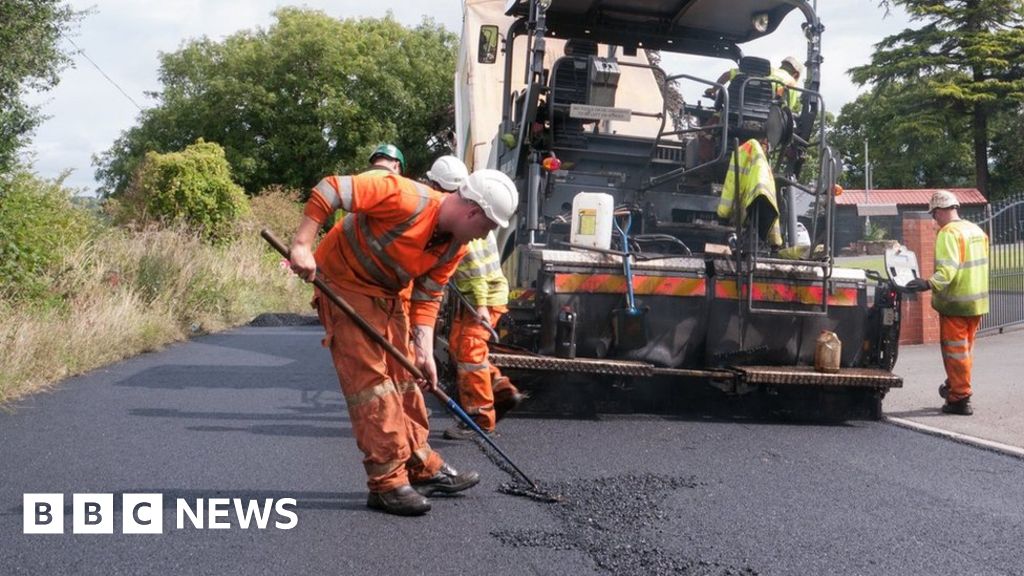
<point x="886" y="208"/>
<point x="913" y="197"/>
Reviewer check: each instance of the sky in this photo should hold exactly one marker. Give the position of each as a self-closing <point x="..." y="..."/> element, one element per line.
<point x="87" y="112"/>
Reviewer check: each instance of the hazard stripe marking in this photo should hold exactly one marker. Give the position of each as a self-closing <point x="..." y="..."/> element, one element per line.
<point x="782" y="292"/>
<point x="642" y="285"/>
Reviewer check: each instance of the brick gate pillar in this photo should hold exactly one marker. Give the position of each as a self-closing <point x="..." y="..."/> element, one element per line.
<point x="920" y="324"/>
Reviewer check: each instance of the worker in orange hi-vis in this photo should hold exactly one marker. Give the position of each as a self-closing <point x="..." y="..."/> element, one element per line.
<point x="484" y="392"/>
<point x="400" y="241"/>
<point x="959" y="294"/>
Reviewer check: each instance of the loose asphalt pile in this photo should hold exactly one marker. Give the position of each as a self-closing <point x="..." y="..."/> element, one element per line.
<point x="286" y="319"/>
<point x="615" y="521"/>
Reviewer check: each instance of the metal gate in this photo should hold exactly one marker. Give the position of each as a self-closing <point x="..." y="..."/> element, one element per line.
<point x="1004" y="223"/>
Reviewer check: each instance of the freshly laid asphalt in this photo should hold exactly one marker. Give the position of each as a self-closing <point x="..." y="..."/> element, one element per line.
<point x="255" y="413"/>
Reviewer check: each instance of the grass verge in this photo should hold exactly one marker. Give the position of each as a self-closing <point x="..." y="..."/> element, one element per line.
<point x="123" y="293"/>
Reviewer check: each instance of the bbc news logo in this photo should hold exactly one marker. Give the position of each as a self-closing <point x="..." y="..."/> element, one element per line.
<point x="144" y="513"/>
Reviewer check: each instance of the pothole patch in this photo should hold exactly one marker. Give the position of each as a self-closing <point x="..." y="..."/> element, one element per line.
<point x="615" y="521"/>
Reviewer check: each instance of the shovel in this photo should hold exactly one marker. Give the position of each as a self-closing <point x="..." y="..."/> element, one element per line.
<point x="401" y="358"/>
<point x="472" y="311"/>
<point x="629" y="324"/>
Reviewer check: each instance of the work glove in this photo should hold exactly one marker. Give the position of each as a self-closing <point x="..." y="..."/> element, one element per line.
<point x="918" y="285"/>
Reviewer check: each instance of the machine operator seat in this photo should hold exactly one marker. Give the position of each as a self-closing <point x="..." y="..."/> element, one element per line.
<point x="749" y="120"/>
<point x="569" y="86"/>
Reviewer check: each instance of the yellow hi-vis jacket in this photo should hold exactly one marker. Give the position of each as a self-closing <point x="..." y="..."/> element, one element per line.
<point x="755" y="180"/>
<point x="479" y="276"/>
<point x="790" y="97"/>
<point x="960" y="282"/>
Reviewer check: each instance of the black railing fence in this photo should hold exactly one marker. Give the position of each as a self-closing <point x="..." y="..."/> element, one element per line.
<point x="1003" y="220"/>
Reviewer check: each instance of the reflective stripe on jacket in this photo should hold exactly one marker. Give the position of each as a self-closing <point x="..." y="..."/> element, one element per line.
<point x="755" y="180"/>
<point x="479" y="276"/>
<point x="960" y="282"/>
<point x="384" y="246"/>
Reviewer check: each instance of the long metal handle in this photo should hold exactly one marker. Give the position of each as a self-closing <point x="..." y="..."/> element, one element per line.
<point x="397" y="354"/>
<point x="348" y="309"/>
<point x="472" y="310"/>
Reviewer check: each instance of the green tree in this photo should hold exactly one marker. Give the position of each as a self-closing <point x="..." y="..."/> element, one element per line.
<point x="192" y="187"/>
<point x="909" y="146"/>
<point x="38" y="219"/>
<point x="967" y="58"/>
<point x="30" y="60"/>
<point x="308" y="96"/>
<point x="1008" y="175"/>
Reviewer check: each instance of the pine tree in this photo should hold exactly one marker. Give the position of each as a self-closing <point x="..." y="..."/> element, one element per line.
<point x="968" y="57"/>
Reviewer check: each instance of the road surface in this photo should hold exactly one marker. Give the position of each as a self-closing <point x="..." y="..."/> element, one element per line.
<point x="255" y="414"/>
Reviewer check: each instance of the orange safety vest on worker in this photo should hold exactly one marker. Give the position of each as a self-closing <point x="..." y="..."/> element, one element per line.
<point x="382" y="254"/>
<point x="756" y="183"/>
<point x="480" y="279"/>
<point x="385" y="247"/>
<point x="960" y="296"/>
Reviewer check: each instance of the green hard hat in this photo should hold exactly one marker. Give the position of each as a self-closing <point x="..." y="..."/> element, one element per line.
<point x="391" y="151"/>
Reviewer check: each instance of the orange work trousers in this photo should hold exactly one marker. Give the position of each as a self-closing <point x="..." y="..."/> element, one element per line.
<point x="478" y="379"/>
<point x="956" y="336"/>
<point x="389" y="418"/>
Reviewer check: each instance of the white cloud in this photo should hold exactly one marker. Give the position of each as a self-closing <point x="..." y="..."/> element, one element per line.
<point x="852" y="27"/>
<point x="125" y="37"/>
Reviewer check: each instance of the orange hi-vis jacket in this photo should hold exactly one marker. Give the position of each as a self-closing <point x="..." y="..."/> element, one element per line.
<point x="386" y="245"/>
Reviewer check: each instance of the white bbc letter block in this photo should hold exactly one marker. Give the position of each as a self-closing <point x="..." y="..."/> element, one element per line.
<point x="219" y="509"/>
<point x="142" y="514"/>
<point x="92" y="514"/>
<point x="43" y="513"/>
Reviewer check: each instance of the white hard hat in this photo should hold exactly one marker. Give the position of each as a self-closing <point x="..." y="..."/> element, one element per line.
<point x="795" y="64"/>
<point x="449" y="172"/>
<point x="943" y="199"/>
<point x="494" y="192"/>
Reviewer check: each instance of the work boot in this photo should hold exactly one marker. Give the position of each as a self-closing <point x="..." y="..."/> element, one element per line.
<point x="447" y="481"/>
<point x="507" y="400"/>
<point x="402" y="501"/>
<point x="961" y="407"/>
<point x="944" y="389"/>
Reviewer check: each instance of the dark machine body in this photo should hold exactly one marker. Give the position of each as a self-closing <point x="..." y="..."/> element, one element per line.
<point x="716" y="311"/>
